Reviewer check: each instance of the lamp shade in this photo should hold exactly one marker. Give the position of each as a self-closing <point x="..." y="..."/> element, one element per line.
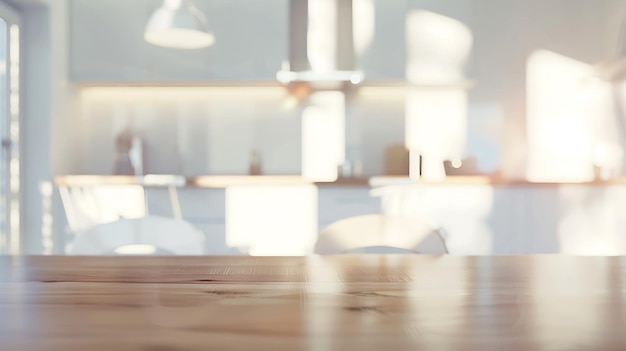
<point x="178" y="24"/>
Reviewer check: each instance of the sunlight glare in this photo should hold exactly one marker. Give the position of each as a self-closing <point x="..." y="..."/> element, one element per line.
<point x="137" y="249"/>
<point x="559" y="138"/>
<point x="437" y="48"/>
<point x="364" y="14"/>
<point x="323" y="136"/>
<point x="321" y="35"/>
<point x="436" y="127"/>
<point x="267" y="220"/>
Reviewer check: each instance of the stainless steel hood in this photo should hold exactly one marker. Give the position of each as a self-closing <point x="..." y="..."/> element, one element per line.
<point x="321" y="45"/>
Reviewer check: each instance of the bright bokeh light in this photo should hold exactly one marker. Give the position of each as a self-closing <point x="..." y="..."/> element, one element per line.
<point x="267" y="220"/>
<point x="437" y="48"/>
<point x="323" y="136"/>
<point x="179" y="25"/>
<point x="180" y="38"/>
<point x="364" y="24"/>
<point x="436" y="118"/>
<point x="559" y="138"/>
<point x="322" y="34"/>
<point x="137" y="249"/>
<point x="605" y="129"/>
<point x="436" y="127"/>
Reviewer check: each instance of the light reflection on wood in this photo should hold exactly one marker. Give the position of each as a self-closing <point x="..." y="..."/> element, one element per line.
<point x="350" y="302"/>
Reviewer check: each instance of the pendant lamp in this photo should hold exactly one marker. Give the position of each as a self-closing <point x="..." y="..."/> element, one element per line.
<point x="179" y="24"/>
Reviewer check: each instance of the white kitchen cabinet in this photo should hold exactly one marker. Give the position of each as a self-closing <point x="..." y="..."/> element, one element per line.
<point x="106" y="42"/>
<point x="592" y="220"/>
<point x="477" y="218"/>
<point x="252" y="42"/>
<point x="271" y="220"/>
<point x="482" y="219"/>
<point x="339" y="202"/>
<point x="378" y="56"/>
<point x="205" y="208"/>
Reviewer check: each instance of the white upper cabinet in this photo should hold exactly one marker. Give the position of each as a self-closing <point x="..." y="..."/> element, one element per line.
<point x="379" y="38"/>
<point x="107" y="44"/>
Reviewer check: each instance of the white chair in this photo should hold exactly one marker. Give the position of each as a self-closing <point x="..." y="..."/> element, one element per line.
<point x="377" y="233"/>
<point x="93" y="200"/>
<point x="86" y="206"/>
<point x="150" y="235"/>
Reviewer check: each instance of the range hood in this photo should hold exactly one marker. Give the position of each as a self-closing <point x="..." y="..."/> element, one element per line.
<point x="321" y="45"/>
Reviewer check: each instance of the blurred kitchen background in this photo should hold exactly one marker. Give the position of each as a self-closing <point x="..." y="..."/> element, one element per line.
<point x="258" y="123"/>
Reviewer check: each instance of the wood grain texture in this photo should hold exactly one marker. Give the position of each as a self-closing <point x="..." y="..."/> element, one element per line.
<point x="350" y="302"/>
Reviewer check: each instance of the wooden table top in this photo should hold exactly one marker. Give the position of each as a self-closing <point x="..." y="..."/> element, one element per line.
<point x="351" y="302"/>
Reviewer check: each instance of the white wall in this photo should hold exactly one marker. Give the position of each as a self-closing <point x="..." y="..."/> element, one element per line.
<point x="36" y="121"/>
<point x="251" y="42"/>
<point x="505" y="34"/>
<point x="193" y="131"/>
